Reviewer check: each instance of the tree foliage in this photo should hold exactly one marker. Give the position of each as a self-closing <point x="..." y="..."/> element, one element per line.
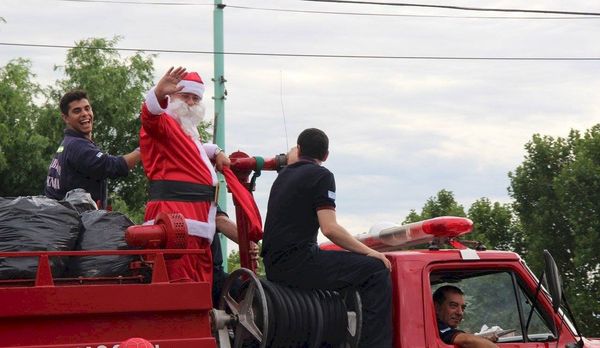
<point x="496" y="226"/>
<point x="557" y="196"/>
<point x="233" y="262"/>
<point x="443" y="204"/>
<point x="23" y="158"/>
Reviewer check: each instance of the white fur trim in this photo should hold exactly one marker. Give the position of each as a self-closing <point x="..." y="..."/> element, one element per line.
<point x="192" y="87"/>
<point x="204" y="158"/>
<point x="210" y="150"/>
<point x="153" y="104"/>
<point x="200" y="228"/>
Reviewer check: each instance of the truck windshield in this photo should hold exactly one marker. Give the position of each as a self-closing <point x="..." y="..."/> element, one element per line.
<point x="496" y="300"/>
<point x="566" y="319"/>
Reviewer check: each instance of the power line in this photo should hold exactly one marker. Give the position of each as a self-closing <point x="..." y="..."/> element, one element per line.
<point x="308" y="55"/>
<point x="141" y="2"/>
<point x="398" y="15"/>
<point x="130" y="2"/>
<point x="459" y="7"/>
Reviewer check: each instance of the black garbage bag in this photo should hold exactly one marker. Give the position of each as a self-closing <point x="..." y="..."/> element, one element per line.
<point x="80" y="200"/>
<point x="102" y="230"/>
<point x="34" y="224"/>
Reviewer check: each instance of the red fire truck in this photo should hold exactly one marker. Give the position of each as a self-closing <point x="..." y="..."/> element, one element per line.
<point x="102" y="312"/>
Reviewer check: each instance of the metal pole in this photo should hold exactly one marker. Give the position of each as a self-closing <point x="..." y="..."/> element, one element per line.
<point x="219" y="97"/>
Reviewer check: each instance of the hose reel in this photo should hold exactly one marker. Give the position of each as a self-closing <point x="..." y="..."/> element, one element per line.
<point x="267" y="314"/>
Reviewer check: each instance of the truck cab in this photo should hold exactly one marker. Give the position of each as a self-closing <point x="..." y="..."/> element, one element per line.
<point x="499" y="291"/>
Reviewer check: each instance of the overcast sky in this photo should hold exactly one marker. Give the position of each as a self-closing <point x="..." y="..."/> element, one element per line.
<point x="400" y="129"/>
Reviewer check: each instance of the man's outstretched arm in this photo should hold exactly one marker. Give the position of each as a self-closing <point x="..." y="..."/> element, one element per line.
<point x="342" y="238"/>
<point x="466" y="340"/>
<point x="132" y="158"/>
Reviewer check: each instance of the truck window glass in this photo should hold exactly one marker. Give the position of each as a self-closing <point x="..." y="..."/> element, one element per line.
<point x="538" y="329"/>
<point x="493" y="300"/>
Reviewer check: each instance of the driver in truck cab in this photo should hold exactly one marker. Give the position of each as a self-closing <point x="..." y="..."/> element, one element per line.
<point x="450" y="305"/>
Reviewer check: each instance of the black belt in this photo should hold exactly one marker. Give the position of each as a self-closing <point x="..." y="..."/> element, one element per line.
<point x="170" y="190"/>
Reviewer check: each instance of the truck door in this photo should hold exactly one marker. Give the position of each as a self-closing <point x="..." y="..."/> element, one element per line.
<point x="498" y="299"/>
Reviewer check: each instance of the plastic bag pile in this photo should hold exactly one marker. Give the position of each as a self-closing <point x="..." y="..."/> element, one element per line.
<point x="42" y="224"/>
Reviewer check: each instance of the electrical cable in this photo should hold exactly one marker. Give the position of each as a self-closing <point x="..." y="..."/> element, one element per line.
<point x="463" y="8"/>
<point x="141" y="2"/>
<point x="130" y="2"/>
<point x="399" y="15"/>
<point x="287" y="145"/>
<point x="307" y="55"/>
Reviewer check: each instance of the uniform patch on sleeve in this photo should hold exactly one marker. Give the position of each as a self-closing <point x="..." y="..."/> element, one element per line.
<point x="331" y="195"/>
<point x="99" y="154"/>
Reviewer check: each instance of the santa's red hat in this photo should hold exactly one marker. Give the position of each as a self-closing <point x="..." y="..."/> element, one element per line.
<point x="192" y="83"/>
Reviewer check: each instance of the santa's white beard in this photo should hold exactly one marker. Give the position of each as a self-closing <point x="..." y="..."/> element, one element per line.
<point x="189" y="117"/>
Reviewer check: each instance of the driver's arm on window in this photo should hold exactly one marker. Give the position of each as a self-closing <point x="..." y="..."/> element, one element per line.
<point x="466" y="340"/>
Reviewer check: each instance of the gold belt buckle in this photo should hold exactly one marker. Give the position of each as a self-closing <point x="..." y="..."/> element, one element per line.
<point x="216" y="199"/>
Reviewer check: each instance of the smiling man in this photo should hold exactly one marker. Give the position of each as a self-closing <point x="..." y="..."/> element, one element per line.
<point x="450" y="305"/>
<point x="78" y="162"/>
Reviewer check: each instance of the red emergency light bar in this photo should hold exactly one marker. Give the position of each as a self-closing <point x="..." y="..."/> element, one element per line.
<point x="387" y="236"/>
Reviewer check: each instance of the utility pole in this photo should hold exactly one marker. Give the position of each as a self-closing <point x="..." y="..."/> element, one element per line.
<point x="219" y="96"/>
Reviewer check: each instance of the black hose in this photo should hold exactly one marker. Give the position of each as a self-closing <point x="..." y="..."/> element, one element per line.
<point x="305" y="318"/>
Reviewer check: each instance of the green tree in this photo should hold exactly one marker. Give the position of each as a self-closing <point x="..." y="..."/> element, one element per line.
<point x="578" y="189"/>
<point x="233" y="262"/>
<point x="443" y="204"/>
<point x="23" y="159"/>
<point x="116" y="87"/>
<point x="557" y="194"/>
<point x="496" y="226"/>
<point x="412" y="216"/>
<point x="537" y="203"/>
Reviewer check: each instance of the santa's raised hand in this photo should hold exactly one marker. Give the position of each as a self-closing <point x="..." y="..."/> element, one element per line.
<point x="168" y="83"/>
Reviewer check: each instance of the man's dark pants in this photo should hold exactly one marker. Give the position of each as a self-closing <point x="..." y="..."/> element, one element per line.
<point x="339" y="270"/>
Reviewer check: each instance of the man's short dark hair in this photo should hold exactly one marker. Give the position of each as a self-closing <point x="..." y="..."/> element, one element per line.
<point x="439" y="296"/>
<point x="69" y="97"/>
<point x="313" y="143"/>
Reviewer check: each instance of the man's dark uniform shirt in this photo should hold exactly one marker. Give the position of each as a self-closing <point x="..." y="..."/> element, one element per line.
<point x="79" y="163"/>
<point x="292" y="225"/>
<point x="292" y="256"/>
<point x="447" y="333"/>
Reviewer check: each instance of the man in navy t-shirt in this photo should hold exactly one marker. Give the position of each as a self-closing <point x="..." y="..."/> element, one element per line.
<point x="301" y="201"/>
<point x="78" y="162"/>
<point x="450" y="305"/>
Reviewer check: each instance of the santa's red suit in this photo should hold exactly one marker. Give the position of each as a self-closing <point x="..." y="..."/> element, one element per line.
<point x="179" y="167"/>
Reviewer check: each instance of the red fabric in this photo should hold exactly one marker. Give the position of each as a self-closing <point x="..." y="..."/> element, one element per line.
<point x="197" y="268"/>
<point x="247" y="203"/>
<point x="170" y="154"/>
<point x="193" y="77"/>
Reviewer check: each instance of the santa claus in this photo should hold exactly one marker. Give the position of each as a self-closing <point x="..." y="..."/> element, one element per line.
<point x="178" y="166"/>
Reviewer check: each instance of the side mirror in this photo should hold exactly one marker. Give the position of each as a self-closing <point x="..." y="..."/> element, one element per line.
<point x="553" y="280"/>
